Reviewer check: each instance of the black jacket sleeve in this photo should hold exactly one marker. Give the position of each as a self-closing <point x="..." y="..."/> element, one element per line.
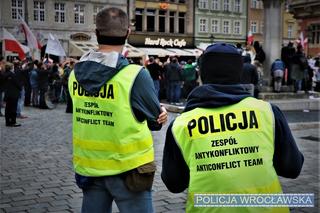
<point x="175" y="172"/>
<point x="287" y="159"/>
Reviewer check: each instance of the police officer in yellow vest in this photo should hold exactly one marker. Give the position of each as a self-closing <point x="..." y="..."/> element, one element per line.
<point x="227" y="142"/>
<point x="114" y="108"/>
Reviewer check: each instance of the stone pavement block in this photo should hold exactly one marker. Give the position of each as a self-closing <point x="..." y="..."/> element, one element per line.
<point x="12" y="191"/>
<point x="23" y="203"/>
<point x="63" y="208"/>
<point x="5" y="205"/>
<point x="59" y="202"/>
<point x="159" y="203"/>
<point x="15" y="209"/>
<point x="62" y="197"/>
<point x="25" y="197"/>
<point x="175" y="200"/>
<point x="176" y="206"/>
<point x="5" y="200"/>
<point x="159" y="209"/>
<point x="45" y="199"/>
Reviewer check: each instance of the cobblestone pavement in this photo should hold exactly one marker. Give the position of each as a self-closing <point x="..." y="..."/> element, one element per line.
<point x="37" y="176"/>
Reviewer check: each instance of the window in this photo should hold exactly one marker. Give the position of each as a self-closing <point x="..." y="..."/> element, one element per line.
<point x="151" y="20"/>
<point x="171" y="21"/>
<point x="237" y="27"/>
<point x="254" y="27"/>
<point x="59" y="15"/>
<point x="290" y="31"/>
<point x="203" y="4"/>
<point x="38" y="11"/>
<point x="261" y="27"/>
<point x="17" y="8"/>
<point x="79" y="13"/>
<point x="226" y="27"/>
<point x="237" y="6"/>
<point x="255" y="4"/>
<point x="215" y="5"/>
<point x="96" y="10"/>
<point x="139" y="15"/>
<point x="162" y="20"/>
<point x="181" y="22"/>
<point x="215" y="28"/>
<point x="314" y="31"/>
<point x="226" y="5"/>
<point x="203" y="25"/>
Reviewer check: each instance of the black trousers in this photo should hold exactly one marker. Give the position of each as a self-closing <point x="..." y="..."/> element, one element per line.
<point x="11" y="110"/>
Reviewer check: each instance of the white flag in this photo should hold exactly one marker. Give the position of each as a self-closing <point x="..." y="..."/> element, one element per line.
<point x="33" y="43"/>
<point x="54" y="47"/>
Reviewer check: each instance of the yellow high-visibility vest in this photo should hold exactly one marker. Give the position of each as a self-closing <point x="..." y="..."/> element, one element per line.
<point x="229" y="150"/>
<point x="107" y="138"/>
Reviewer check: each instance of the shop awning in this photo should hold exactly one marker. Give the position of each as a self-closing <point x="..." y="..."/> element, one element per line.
<point x="203" y="46"/>
<point x="160" y="52"/>
<point x="133" y="51"/>
<point x="78" y="48"/>
<point x="186" y="52"/>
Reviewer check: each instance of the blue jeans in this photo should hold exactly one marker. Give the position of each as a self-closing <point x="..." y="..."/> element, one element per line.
<point x="98" y="197"/>
<point x="175" y="91"/>
<point x="20" y="102"/>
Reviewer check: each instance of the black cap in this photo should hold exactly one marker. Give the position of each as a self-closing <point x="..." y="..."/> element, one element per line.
<point x="221" y="63"/>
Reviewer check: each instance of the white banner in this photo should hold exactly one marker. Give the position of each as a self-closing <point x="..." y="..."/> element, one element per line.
<point x="54" y="47"/>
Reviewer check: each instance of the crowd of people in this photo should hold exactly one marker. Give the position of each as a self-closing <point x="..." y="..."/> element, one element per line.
<point x="299" y="70"/>
<point x="32" y="83"/>
<point x="33" y="80"/>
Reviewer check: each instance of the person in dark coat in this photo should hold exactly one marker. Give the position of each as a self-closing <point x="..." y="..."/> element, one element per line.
<point x="260" y="54"/>
<point x="287" y="52"/>
<point x="12" y="91"/>
<point x="155" y="71"/>
<point x="250" y="76"/>
<point x="173" y="73"/>
<point x="43" y="82"/>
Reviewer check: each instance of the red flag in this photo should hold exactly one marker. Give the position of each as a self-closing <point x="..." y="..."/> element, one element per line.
<point x="250" y="38"/>
<point x="11" y="44"/>
<point x="33" y="43"/>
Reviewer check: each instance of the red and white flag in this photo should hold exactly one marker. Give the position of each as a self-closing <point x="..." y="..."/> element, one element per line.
<point x="250" y="38"/>
<point x="301" y="40"/>
<point x="11" y="44"/>
<point x="32" y="41"/>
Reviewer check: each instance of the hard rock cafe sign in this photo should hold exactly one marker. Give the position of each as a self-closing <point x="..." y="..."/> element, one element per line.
<point x="165" y="42"/>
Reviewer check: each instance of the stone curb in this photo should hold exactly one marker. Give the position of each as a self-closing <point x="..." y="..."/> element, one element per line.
<point x="304" y="125"/>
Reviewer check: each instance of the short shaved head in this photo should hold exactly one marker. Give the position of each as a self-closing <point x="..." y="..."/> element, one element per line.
<point x="112" y="22"/>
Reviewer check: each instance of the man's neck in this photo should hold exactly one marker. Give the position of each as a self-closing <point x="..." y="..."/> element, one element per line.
<point x="110" y="48"/>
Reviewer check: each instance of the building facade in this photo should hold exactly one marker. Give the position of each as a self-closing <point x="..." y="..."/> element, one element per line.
<point x="220" y="21"/>
<point x="162" y="27"/>
<point x="256" y="19"/>
<point x="68" y="20"/>
<point x="307" y="12"/>
<point x="290" y="26"/>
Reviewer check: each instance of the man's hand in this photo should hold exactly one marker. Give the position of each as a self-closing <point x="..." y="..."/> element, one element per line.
<point x="163" y="117"/>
